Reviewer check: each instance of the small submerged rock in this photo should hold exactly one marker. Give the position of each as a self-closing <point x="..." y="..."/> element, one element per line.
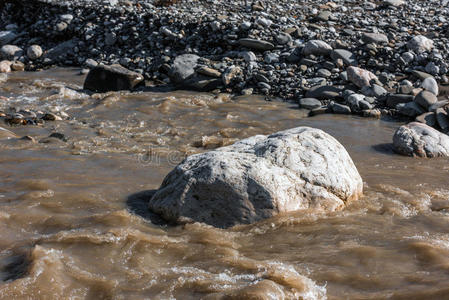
<point x="259" y="177"/>
<point x="6" y="134"/>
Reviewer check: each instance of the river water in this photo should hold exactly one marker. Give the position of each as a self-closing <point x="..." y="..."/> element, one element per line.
<point x="74" y="224"/>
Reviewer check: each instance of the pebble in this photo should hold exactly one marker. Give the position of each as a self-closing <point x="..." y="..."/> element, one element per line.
<point x="340" y="108"/>
<point x="428" y="118"/>
<point x="34" y="52"/>
<point x="376" y="38"/>
<point x="438" y="104"/>
<point x="419" y="44"/>
<point x="309" y="103"/>
<point x="324" y="92"/>
<point x="425" y="99"/>
<point x="6" y="37"/>
<point x="410" y="109"/>
<point x="256" y="44"/>
<point x="209" y="72"/>
<point x="394" y="3"/>
<point x="248" y="56"/>
<point x="394" y="99"/>
<point x="5" y="66"/>
<point x="17" y="66"/>
<point x="431" y="85"/>
<point x="10" y="52"/>
<point x="360" y="77"/>
<point x="51" y="117"/>
<point x="229" y="74"/>
<point x="442" y="117"/>
<point x="316" y="47"/>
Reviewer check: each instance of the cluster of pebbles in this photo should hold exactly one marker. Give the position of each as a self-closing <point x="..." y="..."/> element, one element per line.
<point x="371" y="58"/>
<point x="18" y="116"/>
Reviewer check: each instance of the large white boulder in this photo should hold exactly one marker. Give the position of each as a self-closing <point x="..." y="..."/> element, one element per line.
<point x="418" y="139"/>
<point x="259" y="177"/>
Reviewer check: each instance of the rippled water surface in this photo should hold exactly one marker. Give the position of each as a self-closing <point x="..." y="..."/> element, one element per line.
<point x="74" y="223"/>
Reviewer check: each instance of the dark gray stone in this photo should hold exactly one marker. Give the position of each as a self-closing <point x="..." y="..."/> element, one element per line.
<point x="376" y="38"/>
<point x="428" y="118"/>
<point x="345" y="55"/>
<point x="7" y="37"/>
<point x="340" y="108"/>
<point x="426" y="99"/>
<point x="323" y="92"/>
<point x="183" y="68"/>
<point x="309" y="103"/>
<point x="111" y="78"/>
<point x="410" y="109"/>
<point x="443" y="119"/>
<point x="395" y="99"/>
<point x="256" y="44"/>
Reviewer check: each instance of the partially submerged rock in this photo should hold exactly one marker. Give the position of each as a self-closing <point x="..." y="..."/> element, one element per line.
<point x="259" y="177"/>
<point x="6" y="134"/>
<point x="111" y="78"/>
<point x="418" y="139"/>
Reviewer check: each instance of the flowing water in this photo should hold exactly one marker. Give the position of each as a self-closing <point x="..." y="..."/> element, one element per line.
<point x="74" y="224"/>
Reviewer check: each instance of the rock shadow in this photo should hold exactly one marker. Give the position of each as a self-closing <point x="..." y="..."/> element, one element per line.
<point x="15" y="267"/>
<point x="138" y="204"/>
<point x="385" y="148"/>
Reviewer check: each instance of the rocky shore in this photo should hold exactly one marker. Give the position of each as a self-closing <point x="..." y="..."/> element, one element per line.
<point x="370" y="58"/>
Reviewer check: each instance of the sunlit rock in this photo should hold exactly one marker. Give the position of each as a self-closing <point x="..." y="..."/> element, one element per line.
<point x="259" y="177"/>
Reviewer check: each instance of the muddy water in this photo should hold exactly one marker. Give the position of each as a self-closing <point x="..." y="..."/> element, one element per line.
<point x="74" y="224"/>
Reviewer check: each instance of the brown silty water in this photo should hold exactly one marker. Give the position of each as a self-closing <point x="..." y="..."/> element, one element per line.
<point x="74" y="224"/>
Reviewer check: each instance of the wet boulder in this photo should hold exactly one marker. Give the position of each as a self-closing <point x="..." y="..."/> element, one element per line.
<point x="259" y="177"/>
<point x="418" y="139"/>
<point x="111" y="78"/>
